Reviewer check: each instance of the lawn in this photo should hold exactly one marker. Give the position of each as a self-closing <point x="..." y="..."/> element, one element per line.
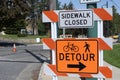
<point x="27" y="39"/>
<point x="113" y="56"/>
<point x="16" y="37"/>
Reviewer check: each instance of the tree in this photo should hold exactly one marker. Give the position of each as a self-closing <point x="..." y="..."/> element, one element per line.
<point x="115" y="23"/>
<point x="11" y="13"/>
<point x="69" y="6"/>
<point x="58" y="5"/>
<point x="43" y="28"/>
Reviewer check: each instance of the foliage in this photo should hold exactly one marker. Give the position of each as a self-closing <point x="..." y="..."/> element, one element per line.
<point x="15" y="37"/>
<point x="45" y="5"/>
<point x="113" y="56"/>
<point x="11" y="31"/>
<point x="115" y="23"/>
<point x="20" y="23"/>
<point x="10" y="17"/>
<point x="69" y="6"/>
<point x="41" y="29"/>
<point x="21" y="35"/>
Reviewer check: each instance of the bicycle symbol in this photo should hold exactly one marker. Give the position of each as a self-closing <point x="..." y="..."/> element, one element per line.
<point x="71" y="47"/>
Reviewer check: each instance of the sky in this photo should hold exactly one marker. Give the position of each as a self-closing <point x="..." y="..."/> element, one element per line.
<point x="78" y="5"/>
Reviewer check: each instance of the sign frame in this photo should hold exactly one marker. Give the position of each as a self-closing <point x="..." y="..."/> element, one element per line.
<point x="60" y="21"/>
<point x="90" y="1"/>
<point x="79" y="63"/>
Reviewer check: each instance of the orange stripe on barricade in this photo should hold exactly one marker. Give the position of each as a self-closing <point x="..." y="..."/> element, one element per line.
<point x="106" y="72"/>
<point x="86" y="75"/>
<point x="103" y="45"/>
<point x="50" y="43"/>
<point x="53" y="68"/>
<point x="51" y="15"/>
<point x="103" y="14"/>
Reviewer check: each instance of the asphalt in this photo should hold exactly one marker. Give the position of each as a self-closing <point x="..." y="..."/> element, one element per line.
<point x="27" y="74"/>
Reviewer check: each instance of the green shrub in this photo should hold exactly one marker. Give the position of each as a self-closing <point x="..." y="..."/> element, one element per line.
<point x="11" y="31"/>
<point x="21" y="35"/>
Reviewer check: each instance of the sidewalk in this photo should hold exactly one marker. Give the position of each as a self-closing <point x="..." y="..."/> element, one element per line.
<point x="115" y="72"/>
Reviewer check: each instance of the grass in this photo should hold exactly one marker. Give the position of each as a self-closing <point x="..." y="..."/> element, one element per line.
<point x="113" y="56"/>
<point x="27" y="37"/>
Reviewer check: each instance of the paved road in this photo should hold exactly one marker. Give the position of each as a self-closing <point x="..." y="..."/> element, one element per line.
<point x="25" y="60"/>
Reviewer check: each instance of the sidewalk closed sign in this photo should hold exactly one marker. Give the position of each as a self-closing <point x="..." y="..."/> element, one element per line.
<point x="89" y="1"/>
<point x="77" y="56"/>
<point x="76" y="19"/>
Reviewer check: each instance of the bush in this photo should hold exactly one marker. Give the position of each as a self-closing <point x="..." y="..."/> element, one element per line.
<point x="11" y="31"/>
<point x="21" y="35"/>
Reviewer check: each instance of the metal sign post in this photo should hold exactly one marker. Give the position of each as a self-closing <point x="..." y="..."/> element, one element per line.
<point x="100" y="35"/>
<point x="63" y="32"/>
<point x="53" y="36"/>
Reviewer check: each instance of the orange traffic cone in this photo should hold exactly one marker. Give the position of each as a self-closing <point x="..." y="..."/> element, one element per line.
<point x="14" y="48"/>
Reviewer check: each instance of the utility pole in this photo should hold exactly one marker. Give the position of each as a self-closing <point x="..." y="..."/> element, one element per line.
<point x="34" y="17"/>
<point x="52" y="4"/>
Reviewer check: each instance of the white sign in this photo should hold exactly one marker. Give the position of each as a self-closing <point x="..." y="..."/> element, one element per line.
<point x="89" y="1"/>
<point x="76" y="19"/>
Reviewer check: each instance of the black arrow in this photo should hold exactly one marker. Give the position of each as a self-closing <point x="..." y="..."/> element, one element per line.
<point x="79" y="65"/>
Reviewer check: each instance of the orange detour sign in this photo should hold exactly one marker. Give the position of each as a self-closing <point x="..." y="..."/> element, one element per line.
<point x="77" y="56"/>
